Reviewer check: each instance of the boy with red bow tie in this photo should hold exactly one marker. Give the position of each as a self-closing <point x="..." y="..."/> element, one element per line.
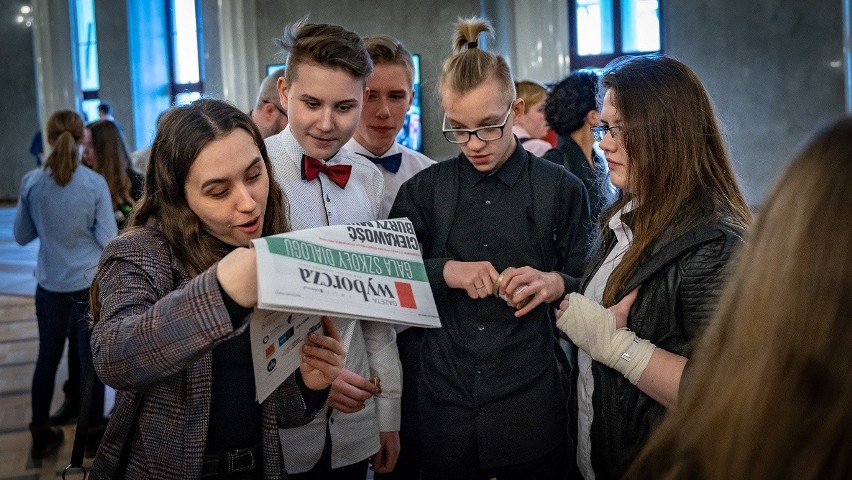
<point x="323" y="92"/>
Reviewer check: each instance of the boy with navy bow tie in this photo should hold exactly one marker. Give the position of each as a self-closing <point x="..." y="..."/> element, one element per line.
<point x="391" y="92"/>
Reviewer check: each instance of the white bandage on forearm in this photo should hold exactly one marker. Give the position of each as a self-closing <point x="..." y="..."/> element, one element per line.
<point x="592" y="328"/>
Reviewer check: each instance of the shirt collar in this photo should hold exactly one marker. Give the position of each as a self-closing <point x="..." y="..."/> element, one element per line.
<point x="520" y="131"/>
<point x="354" y="146"/>
<point x="619" y="227"/>
<point x="507" y="173"/>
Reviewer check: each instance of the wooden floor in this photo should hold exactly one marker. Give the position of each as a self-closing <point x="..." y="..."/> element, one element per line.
<point x="18" y="351"/>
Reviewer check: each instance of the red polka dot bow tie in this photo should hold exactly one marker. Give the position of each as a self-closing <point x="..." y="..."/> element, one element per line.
<point x="339" y="174"/>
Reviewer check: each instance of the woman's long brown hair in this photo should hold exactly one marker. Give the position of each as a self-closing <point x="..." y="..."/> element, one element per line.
<point x="112" y="160"/>
<point x="679" y="174"/>
<point x="181" y="135"/>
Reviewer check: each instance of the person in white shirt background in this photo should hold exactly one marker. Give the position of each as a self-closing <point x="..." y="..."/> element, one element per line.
<point x="391" y="93"/>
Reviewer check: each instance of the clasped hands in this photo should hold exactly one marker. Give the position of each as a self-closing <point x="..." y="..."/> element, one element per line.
<point x="477" y="279"/>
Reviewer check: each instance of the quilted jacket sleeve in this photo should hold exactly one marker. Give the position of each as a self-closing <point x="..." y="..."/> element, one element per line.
<point x="704" y="274"/>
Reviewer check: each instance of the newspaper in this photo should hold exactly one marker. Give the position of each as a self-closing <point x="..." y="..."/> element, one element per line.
<point x="372" y="271"/>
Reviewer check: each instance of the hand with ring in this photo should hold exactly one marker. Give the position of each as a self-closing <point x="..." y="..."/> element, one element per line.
<point x="476" y="278"/>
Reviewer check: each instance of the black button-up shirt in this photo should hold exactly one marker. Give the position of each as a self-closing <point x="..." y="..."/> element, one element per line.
<point x="487" y="376"/>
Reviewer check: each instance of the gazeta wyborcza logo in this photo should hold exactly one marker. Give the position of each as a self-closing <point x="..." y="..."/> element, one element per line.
<point x="380" y="280"/>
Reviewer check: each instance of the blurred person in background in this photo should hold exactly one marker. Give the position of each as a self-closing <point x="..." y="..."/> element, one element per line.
<point x="268" y="114"/>
<point x="530" y="126"/>
<point x="571" y="111"/>
<point x="110" y="157"/>
<point x="67" y="207"/>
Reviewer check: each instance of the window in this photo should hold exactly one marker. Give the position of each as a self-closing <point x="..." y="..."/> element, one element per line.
<point x="87" y="57"/>
<point x="602" y="30"/>
<point x="411" y="134"/>
<point x="185" y="50"/>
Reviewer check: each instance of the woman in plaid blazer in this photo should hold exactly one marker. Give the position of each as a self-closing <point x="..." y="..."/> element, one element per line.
<point x="171" y="303"/>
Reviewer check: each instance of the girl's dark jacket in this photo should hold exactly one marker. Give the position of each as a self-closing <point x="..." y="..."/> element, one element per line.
<point x="680" y="284"/>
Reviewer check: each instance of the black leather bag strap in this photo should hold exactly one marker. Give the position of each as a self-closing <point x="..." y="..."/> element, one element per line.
<point x="82" y="425"/>
<point x="83" y="430"/>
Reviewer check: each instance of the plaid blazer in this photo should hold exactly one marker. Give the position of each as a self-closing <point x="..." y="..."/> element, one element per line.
<point x="155" y="336"/>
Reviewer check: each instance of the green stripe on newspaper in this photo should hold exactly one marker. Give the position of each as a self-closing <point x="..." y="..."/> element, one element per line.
<point x="354" y="262"/>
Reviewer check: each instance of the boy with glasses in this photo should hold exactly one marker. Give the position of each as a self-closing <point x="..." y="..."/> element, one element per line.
<point x="490" y="383"/>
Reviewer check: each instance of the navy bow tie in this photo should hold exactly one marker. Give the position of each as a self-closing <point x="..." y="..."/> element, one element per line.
<point x="390" y="163"/>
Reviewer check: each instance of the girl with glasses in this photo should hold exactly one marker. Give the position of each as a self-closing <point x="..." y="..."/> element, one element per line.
<point x="670" y="233"/>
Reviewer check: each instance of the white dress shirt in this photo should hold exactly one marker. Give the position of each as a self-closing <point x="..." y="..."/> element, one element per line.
<point x="585" y="382"/>
<point x="370" y="346"/>
<point x="412" y="163"/>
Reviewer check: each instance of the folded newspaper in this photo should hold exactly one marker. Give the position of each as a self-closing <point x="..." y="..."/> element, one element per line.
<point x="371" y="271"/>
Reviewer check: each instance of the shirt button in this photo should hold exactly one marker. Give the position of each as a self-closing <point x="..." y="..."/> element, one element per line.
<point x="479" y="371"/>
<point x="484" y="245"/>
<point x="488" y="202"/>
<point x="480" y="327"/>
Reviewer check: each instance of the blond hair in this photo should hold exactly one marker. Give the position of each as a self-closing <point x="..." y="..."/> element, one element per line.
<point x="531" y="92"/>
<point x="770" y="384"/>
<point x="388" y="50"/>
<point x="470" y="65"/>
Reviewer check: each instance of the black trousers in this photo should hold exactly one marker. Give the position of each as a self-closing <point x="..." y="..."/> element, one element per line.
<point x="550" y="466"/>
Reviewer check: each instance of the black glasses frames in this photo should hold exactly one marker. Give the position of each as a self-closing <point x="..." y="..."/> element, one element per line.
<point x="283" y="112"/>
